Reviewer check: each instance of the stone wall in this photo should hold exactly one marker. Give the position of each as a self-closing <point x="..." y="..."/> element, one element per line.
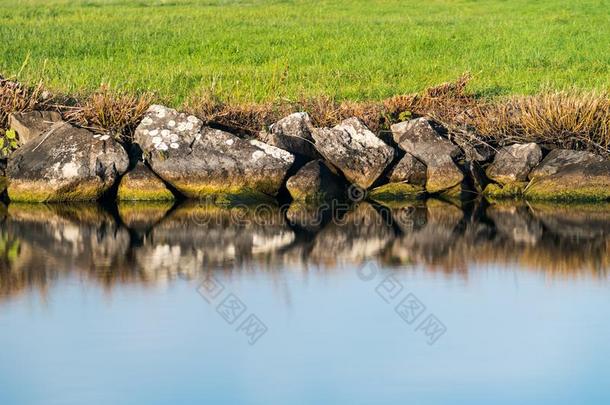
<point x="174" y="156"/>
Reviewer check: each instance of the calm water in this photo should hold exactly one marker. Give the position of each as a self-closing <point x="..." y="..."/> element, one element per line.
<point x="420" y="303"/>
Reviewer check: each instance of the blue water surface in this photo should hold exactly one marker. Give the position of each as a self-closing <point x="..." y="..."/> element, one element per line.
<point x="512" y="335"/>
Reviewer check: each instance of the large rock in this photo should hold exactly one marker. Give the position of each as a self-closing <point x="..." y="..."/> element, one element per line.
<point x="315" y="182"/>
<point x="576" y="182"/>
<point x="560" y="158"/>
<point x="513" y="163"/>
<point x="292" y="133"/>
<point x="141" y="184"/>
<point x="356" y="151"/>
<point x="408" y="170"/>
<point x="421" y="140"/>
<point x="474" y="150"/>
<point x="65" y="164"/>
<point x="29" y="125"/>
<point x="206" y="163"/>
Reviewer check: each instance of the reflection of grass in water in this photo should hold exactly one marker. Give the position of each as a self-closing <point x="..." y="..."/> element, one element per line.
<point x="12" y="280"/>
<point x="9" y="247"/>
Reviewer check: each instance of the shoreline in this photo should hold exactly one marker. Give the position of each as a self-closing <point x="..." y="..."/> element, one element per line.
<point x="157" y="153"/>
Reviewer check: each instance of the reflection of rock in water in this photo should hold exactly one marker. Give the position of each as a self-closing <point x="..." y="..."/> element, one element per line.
<point x="308" y="217"/>
<point x="409" y="217"/>
<point x="431" y="238"/>
<point x="142" y="216"/>
<point x="39" y="243"/>
<point x="357" y="236"/>
<point x="516" y="223"/>
<point x="197" y="235"/>
<point x="78" y="234"/>
<point x="576" y="221"/>
<point x="60" y="238"/>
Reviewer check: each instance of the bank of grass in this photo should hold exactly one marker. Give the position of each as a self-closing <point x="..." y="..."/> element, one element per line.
<point x="260" y="51"/>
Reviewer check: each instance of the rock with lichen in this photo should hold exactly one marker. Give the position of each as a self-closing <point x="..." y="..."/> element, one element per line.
<point x="419" y="138"/>
<point x="292" y="133"/>
<point x="408" y="170"/>
<point x="588" y="181"/>
<point x="351" y="147"/>
<point x="205" y="163"/>
<point x="65" y="163"/>
<point x="513" y="163"/>
<point x="315" y="182"/>
<point x="557" y="159"/>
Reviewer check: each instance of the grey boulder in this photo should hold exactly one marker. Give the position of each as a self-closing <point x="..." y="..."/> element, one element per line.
<point x="28" y="125"/>
<point x="588" y="181"/>
<point x="65" y="163"/>
<point x="315" y="182"/>
<point x="205" y="163"/>
<point x="513" y="163"/>
<point x="421" y="140"/>
<point x="408" y="170"/>
<point x="560" y="158"/>
<point x="355" y="150"/>
<point x="293" y="134"/>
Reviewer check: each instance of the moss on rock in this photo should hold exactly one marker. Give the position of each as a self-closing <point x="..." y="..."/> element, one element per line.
<point x="396" y="191"/>
<point x="555" y="191"/>
<point x="510" y="191"/>
<point x="39" y="191"/>
<point x="574" y="183"/>
<point x="221" y="194"/>
<point x="141" y="184"/>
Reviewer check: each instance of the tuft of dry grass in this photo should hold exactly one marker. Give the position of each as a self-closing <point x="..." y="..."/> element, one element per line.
<point x="15" y="97"/>
<point x="572" y="120"/>
<point x="103" y="111"/>
<point x="445" y="103"/>
<point x="109" y="111"/>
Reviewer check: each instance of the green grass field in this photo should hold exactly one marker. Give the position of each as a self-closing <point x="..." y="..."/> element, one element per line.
<point x="263" y="50"/>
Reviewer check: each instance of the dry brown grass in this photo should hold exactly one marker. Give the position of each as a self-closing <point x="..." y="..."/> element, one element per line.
<point x="109" y="111"/>
<point x="103" y="111"/>
<point x="574" y="120"/>
<point x="15" y="97"/>
<point x="445" y="102"/>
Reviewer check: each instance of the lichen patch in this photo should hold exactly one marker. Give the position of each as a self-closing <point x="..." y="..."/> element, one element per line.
<point x="272" y="151"/>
